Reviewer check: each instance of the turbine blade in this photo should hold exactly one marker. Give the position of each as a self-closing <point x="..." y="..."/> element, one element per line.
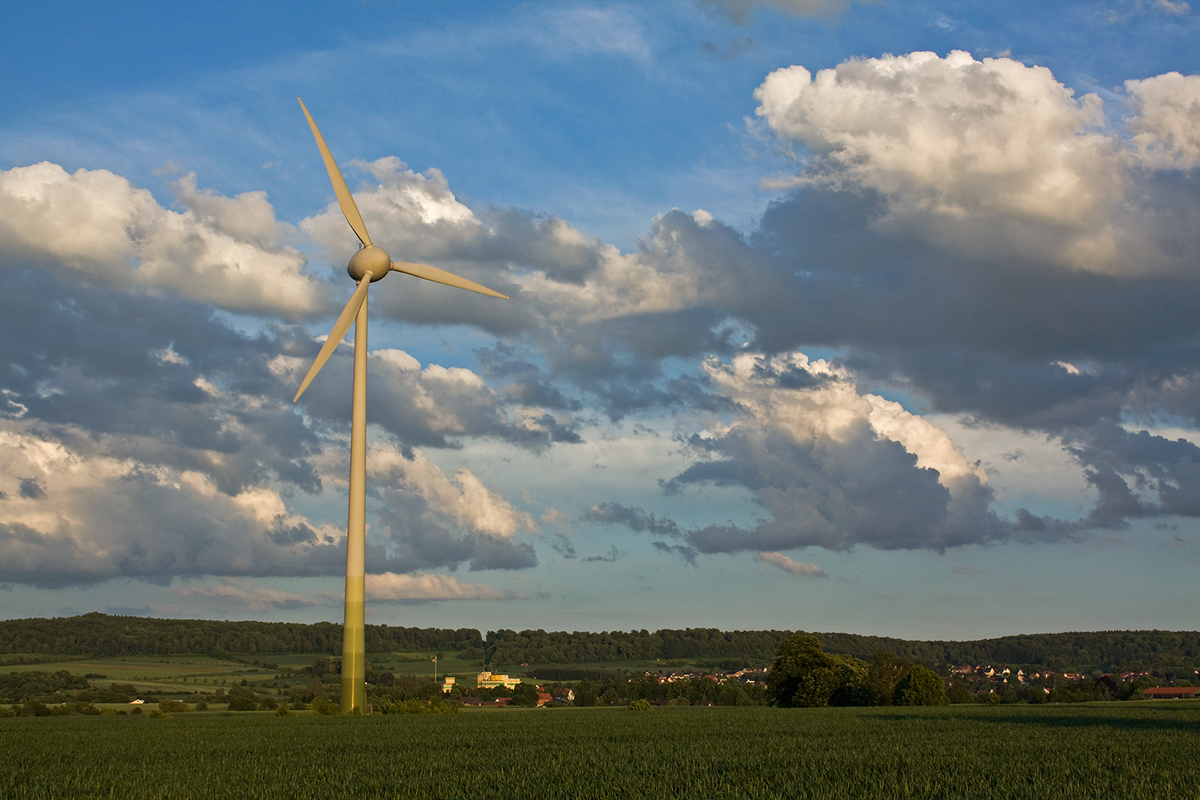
<point x="345" y="200"/>
<point x="339" y="330"/>
<point x="441" y="276"/>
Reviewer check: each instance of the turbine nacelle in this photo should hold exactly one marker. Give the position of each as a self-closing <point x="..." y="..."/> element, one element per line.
<point x="372" y="259"/>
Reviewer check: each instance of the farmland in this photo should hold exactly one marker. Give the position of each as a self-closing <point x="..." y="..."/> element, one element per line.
<point x="1128" y="750"/>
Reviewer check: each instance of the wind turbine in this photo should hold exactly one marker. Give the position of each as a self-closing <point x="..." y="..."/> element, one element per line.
<point x="369" y="264"/>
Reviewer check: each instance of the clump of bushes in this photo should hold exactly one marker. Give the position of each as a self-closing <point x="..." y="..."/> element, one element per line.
<point x="435" y="706"/>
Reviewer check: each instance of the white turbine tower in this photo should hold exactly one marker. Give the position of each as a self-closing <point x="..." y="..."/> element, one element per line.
<point x="368" y="265"/>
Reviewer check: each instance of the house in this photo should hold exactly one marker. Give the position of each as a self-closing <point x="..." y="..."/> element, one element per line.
<point x="487" y="680"/>
<point x="543" y="698"/>
<point x="1170" y="692"/>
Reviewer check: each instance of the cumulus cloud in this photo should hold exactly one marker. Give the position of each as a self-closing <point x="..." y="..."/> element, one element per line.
<point x="431" y="406"/>
<point x="832" y="467"/>
<point x="966" y="233"/>
<point x="152" y="379"/>
<point x="465" y="501"/>
<point x="97" y="226"/>
<point x="829" y="466"/>
<point x="393" y="587"/>
<point x="789" y="565"/>
<point x="1166" y="123"/>
<point x="429" y="520"/>
<point x="98" y="517"/>
<point x="971" y="152"/>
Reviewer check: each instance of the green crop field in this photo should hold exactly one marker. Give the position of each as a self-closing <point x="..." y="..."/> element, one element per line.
<point x="1128" y="750"/>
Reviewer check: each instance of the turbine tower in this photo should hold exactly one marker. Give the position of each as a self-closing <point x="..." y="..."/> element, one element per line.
<point x="368" y="265"/>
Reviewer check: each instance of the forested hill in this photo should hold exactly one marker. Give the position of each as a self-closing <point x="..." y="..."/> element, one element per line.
<point x="104" y="635"/>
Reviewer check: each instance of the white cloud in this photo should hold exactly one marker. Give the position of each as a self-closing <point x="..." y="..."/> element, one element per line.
<point x="830" y="467"/>
<point x="390" y="586"/>
<point x="1167" y="123"/>
<point x="788" y="565"/>
<point x="244" y="594"/>
<point x="409" y="214"/>
<point x="77" y="517"/>
<point x="224" y="251"/>
<point x="830" y="407"/>
<point x="961" y="149"/>
<point x="466" y="500"/>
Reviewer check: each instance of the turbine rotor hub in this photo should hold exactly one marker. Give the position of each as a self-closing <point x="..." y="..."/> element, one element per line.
<point x="370" y="259"/>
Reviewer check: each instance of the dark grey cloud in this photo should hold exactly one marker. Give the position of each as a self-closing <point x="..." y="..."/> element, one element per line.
<point x="635" y="519"/>
<point x="429" y="407"/>
<point x="611" y="556"/>
<point x="1138" y="475"/>
<point x="123" y="374"/>
<point x="859" y="490"/>
<point x="526" y="381"/>
<point x="146" y="390"/>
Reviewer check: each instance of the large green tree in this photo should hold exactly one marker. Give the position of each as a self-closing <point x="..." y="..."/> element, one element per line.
<point x="886" y="671"/>
<point x="803" y="675"/>
<point x="525" y="694"/>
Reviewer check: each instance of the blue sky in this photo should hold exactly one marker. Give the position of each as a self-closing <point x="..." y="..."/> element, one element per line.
<point x="870" y="317"/>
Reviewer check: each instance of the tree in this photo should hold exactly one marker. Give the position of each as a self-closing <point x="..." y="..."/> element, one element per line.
<point x="886" y="671"/>
<point x="585" y="694"/>
<point x="525" y="694"/>
<point x="920" y="687"/>
<point x="242" y="699"/>
<point x="802" y="675"/>
<point x="957" y="693"/>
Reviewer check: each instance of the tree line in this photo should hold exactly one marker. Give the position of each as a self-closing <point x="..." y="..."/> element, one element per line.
<point x="104" y="635"/>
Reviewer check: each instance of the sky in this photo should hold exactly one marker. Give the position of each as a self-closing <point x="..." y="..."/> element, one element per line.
<point x="826" y="315"/>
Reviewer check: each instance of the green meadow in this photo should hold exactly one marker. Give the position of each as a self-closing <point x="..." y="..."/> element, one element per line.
<point x="1109" y="750"/>
<point x="183" y="674"/>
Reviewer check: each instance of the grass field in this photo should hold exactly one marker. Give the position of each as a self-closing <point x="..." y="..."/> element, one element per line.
<point x="163" y="674"/>
<point x="1128" y="750"/>
<point x="185" y="674"/>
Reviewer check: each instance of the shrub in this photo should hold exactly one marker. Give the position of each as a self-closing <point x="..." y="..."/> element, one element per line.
<point x="920" y="687"/>
<point x="241" y="699"/>
<point x="640" y="704"/>
<point x="33" y="708"/>
<point x="322" y="706"/>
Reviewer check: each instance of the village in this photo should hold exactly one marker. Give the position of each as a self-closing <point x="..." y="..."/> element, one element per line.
<point x="975" y="679"/>
<point x="554" y="694"/>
